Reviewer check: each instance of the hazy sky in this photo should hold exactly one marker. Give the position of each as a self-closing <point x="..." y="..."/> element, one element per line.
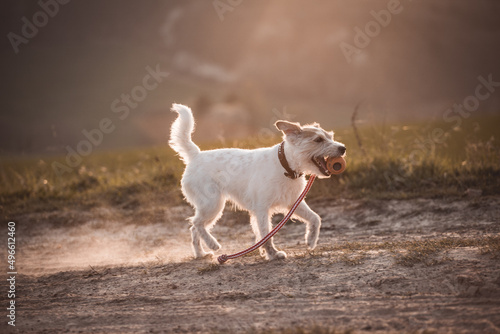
<point x="67" y="66"/>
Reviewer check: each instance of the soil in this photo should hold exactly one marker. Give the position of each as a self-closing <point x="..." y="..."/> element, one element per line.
<point x="130" y="270"/>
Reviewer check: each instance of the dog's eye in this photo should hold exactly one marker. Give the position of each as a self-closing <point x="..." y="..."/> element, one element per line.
<point x="318" y="140"/>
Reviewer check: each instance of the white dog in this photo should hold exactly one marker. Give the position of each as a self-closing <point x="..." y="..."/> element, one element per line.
<point x="254" y="180"/>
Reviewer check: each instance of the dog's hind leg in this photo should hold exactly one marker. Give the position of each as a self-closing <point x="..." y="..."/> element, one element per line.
<point x="312" y="221"/>
<point x="196" y="243"/>
<point x="264" y="227"/>
<point x="204" y="219"/>
<point x="255" y="228"/>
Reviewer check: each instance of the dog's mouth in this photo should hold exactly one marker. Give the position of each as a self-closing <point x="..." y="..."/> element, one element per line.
<point x="320" y="162"/>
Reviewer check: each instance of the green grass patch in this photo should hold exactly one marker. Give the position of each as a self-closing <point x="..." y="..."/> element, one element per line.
<point x="397" y="161"/>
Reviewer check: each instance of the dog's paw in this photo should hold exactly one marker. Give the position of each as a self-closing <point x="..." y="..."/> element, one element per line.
<point x="203" y="255"/>
<point x="312" y="238"/>
<point x="280" y="255"/>
<point x="214" y="245"/>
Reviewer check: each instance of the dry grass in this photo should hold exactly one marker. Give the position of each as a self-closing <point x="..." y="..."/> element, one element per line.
<point x="352" y="258"/>
<point x="407" y="253"/>
<point x="301" y="330"/>
<point x="492" y="247"/>
<point x="469" y="158"/>
<point x="211" y="267"/>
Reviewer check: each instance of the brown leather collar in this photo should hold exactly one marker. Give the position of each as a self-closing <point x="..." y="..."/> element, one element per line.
<point x="281" y="156"/>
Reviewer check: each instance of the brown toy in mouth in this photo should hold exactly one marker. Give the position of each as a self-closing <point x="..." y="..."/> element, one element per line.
<point x="335" y="165"/>
<point x="329" y="165"/>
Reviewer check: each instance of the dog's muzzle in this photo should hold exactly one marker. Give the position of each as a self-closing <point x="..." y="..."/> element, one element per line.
<point x="320" y="162"/>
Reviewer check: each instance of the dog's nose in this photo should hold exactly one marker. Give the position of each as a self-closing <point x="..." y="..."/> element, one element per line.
<point x="342" y="149"/>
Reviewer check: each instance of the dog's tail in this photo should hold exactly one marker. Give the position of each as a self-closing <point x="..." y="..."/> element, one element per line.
<point x="180" y="133"/>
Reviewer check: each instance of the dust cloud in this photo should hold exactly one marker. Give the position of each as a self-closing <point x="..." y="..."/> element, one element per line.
<point x="100" y="243"/>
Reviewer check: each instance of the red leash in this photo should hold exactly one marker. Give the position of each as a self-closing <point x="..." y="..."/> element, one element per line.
<point x="223" y="258"/>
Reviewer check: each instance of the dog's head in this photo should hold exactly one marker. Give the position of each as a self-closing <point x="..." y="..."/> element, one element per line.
<point x="308" y="147"/>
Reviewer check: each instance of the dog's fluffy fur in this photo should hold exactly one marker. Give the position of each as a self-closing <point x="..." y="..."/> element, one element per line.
<point x="251" y="179"/>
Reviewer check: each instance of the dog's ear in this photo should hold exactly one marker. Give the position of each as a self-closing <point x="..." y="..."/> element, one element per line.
<point x="288" y="128"/>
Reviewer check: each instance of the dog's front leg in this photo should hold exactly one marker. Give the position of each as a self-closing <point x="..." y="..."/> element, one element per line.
<point x="313" y="223"/>
<point x="264" y="225"/>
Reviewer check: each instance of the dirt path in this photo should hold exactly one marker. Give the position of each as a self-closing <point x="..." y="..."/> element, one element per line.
<point x="118" y="271"/>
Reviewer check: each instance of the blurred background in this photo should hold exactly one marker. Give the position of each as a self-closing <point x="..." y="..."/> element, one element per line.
<point x="239" y="64"/>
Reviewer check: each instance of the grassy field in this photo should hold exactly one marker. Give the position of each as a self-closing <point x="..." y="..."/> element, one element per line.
<point x="429" y="159"/>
